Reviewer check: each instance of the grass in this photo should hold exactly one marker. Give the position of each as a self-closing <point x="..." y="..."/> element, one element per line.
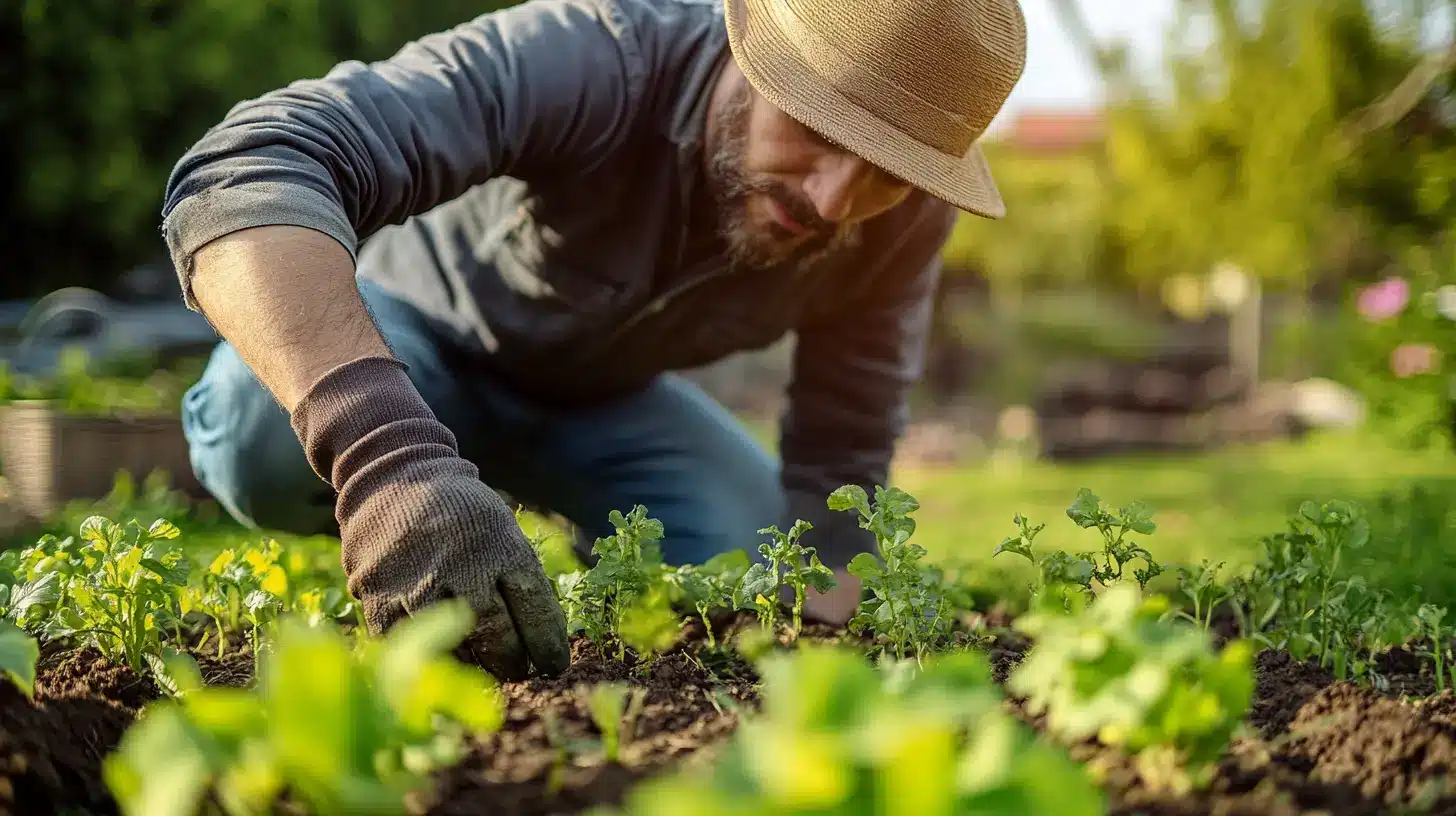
<point x="1214" y="506"/>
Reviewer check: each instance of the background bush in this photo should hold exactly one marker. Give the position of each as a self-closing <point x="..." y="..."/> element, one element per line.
<point x="106" y="96"/>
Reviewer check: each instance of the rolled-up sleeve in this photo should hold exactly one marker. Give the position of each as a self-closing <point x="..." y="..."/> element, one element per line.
<point x="848" y="400"/>
<point x="544" y="87"/>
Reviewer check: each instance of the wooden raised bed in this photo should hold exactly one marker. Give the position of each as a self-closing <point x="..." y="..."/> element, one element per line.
<point x="51" y="458"/>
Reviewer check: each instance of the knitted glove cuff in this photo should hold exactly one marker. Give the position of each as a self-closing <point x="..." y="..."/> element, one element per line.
<point x="362" y="411"/>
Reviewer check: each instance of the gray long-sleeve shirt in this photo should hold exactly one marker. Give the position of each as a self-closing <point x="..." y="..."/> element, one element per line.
<point x="527" y="178"/>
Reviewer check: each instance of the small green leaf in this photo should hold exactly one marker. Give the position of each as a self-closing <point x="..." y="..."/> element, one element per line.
<point x="174" y="576"/>
<point x="850" y="497"/>
<point x="161" y="767"/>
<point x="865" y="567"/>
<point x="43" y="591"/>
<point x="101" y="531"/>
<point x="162" y="529"/>
<point x="759" y="580"/>
<point x="18" y="654"/>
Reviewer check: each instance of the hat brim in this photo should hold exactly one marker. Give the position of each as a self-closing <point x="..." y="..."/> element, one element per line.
<point x="772" y="66"/>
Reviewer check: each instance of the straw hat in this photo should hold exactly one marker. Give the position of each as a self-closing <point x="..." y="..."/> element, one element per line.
<point x="909" y="85"/>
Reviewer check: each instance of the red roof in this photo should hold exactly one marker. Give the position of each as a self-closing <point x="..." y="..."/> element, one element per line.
<point x="1054" y="131"/>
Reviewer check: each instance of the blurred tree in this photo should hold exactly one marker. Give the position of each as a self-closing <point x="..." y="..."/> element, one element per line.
<point x="1279" y="145"/>
<point x="102" y="98"/>
<point x="1052" y="234"/>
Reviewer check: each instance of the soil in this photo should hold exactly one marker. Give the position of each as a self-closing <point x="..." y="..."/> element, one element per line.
<point x="1311" y="746"/>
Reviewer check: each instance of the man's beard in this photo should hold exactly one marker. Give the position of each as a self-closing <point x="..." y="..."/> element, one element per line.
<point x="749" y="243"/>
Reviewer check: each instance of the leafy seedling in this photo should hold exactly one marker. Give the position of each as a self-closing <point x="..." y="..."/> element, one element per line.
<point x="343" y="732"/>
<point x="784" y="567"/>
<point x="908" y="610"/>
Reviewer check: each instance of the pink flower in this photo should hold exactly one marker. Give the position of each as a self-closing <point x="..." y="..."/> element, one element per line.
<point x="1384" y="300"/>
<point x="1410" y="359"/>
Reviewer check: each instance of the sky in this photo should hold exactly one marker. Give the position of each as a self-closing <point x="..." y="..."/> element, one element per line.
<point x="1057" y="73"/>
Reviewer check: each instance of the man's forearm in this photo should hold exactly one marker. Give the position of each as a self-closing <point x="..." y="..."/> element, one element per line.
<point x="286" y="298"/>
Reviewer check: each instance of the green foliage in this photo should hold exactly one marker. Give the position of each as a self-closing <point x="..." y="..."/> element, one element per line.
<point x="710" y="586"/>
<point x="762" y="586"/>
<point x="904" y="605"/>
<point x="115" y="93"/>
<point x="341" y="732"/>
<point x="1057" y="572"/>
<point x="1297" y="591"/>
<point x="1253" y="159"/>
<point x="80" y="386"/>
<point x="838" y="736"/>
<point x="1053" y="232"/>
<point x="117" y="588"/>
<point x="239" y="589"/>
<point x="1120" y="671"/>
<point x="621" y="596"/>
<point x="614" y="715"/>
<point x="1399" y="352"/>
<point x="18" y="655"/>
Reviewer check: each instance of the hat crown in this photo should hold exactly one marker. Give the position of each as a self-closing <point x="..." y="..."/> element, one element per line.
<point x="938" y="70"/>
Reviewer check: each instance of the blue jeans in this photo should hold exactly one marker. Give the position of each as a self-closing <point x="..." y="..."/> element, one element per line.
<point x="669" y="447"/>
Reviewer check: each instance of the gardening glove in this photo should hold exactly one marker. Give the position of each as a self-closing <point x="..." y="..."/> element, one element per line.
<point x="416" y="523"/>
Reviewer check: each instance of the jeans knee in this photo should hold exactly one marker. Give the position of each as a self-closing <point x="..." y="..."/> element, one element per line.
<point x="244" y="451"/>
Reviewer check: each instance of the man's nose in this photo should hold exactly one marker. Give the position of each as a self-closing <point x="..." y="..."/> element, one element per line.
<point x="834" y="185"/>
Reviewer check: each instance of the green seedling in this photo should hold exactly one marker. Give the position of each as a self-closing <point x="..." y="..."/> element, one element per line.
<point x="622" y="587"/>
<point x="1310" y="610"/>
<point x="119" y="588"/>
<point x="1055" y="571"/>
<point x="909" y="611"/>
<point x="342" y="732"/>
<point x="18" y="655"/>
<point x="1089" y="512"/>
<point x="1199" y="583"/>
<point x="763" y="586"/>
<point x="704" y="589"/>
<point x="838" y="736"/>
<point x="1430" y="617"/>
<point x="614" y="709"/>
<point x="1123" y="671"/>
<point x="240" y="592"/>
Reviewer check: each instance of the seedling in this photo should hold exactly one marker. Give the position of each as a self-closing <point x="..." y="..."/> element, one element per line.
<point x="1125" y="673"/>
<point x="342" y="732"/>
<point x="903" y="606"/>
<point x="1055" y="571"/>
<point x="1200" y="584"/>
<point x="762" y="587"/>
<point x="1429" y="617"/>
<point x="1089" y="512"/>
<point x="119" y="588"/>
<point x="18" y="655"/>
<point x="599" y="601"/>
<point x="614" y="709"/>
<point x="838" y="736"/>
<point x="240" y="588"/>
<point x="710" y="586"/>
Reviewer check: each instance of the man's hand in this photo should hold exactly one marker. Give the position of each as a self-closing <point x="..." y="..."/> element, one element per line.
<point x="836" y="606"/>
<point x="417" y="524"/>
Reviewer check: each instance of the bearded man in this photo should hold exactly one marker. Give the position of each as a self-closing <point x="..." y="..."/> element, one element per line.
<point x="565" y="202"/>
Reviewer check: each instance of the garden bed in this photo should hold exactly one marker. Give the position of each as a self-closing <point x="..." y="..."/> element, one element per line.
<point x="686" y="684"/>
<point x="1317" y="745"/>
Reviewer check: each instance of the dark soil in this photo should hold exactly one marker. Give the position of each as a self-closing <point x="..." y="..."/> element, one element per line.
<point x="691" y="700"/>
<point x="1312" y="745"/>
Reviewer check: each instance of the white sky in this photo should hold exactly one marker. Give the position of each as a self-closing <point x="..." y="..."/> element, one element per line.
<point x="1056" y="72"/>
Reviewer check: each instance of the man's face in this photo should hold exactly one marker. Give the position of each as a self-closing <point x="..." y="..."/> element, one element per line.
<point x="785" y="194"/>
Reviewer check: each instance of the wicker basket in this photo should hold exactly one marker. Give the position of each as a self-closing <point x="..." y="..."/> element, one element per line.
<point x="51" y="458"/>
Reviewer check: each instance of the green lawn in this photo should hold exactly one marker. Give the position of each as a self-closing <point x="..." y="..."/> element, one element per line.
<point x="1207" y="506"/>
<point x="1213" y="506"/>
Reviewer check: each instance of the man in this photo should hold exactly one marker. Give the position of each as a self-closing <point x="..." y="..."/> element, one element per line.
<point x="565" y="201"/>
